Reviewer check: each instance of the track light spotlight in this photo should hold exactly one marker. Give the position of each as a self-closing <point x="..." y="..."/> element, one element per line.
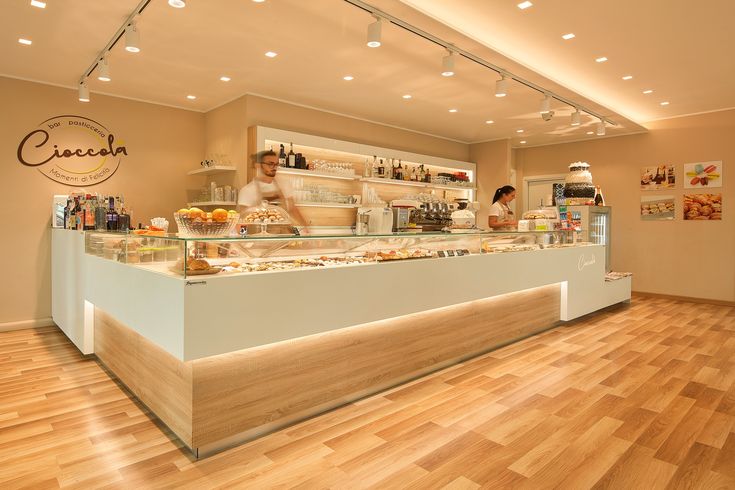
<point x="104" y="70"/>
<point x="545" y="104"/>
<point x="501" y="87"/>
<point x="600" y="128"/>
<point x="575" y="117"/>
<point x="374" y="33"/>
<point x="546" y="116"/>
<point x="448" y="64"/>
<point x="132" y="38"/>
<point x="83" y="92"/>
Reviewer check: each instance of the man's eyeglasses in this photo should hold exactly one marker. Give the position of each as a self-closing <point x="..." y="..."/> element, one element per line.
<point x="269" y="165"/>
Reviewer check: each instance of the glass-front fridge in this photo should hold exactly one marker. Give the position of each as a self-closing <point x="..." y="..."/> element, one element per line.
<point x="595" y="223"/>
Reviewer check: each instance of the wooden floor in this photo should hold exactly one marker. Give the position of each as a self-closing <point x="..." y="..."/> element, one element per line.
<point x="634" y="397"/>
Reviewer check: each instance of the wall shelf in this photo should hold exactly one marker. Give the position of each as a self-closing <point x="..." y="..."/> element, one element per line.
<point x="325" y="205"/>
<point x="376" y="180"/>
<point x="212" y="203"/>
<point x="311" y="173"/>
<point x="216" y="169"/>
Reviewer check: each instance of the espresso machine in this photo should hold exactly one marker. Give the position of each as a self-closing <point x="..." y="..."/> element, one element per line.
<point x="434" y="216"/>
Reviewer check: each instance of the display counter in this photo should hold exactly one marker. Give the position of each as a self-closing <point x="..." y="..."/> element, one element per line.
<point x="225" y="339"/>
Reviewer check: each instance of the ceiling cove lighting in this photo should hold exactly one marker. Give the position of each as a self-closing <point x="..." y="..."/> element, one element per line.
<point x="177" y="4"/>
<point x="83" y="92"/>
<point x="36" y="3"/>
<point x="600" y="128"/>
<point x="132" y="38"/>
<point x="374" y="33"/>
<point x="348" y="78"/>
<point x="569" y="36"/>
<point x="545" y="105"/>
<point x="525" y="5"/>
<point x="649" y="91"/>
<point x="601" y="59"/>
<point x="628" y="77"/>
<point x="225" y="79"/>
<point x="104" y="70"/>
<point x="448" y="64"/>
<point x="501" y="87"/>
<point x="25" y="42"/>
<point x="575" y="118"/>
<point x="271" y="54"/>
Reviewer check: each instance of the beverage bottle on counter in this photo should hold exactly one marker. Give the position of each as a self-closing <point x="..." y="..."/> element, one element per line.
<point x="381" y="169"/>
<point x="282" y="157"/>
<point x="100" y="214"/>
<point x="111" y="215"/>
<point x="599" y="199"/>
<point x="89" y="208"/>
<point x="291" y="158"/>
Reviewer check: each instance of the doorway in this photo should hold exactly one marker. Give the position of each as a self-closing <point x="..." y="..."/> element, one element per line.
<point x="538" y="188"/>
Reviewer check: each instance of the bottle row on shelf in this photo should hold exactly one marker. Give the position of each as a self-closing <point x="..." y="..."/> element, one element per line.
<point x="96" y="212"/>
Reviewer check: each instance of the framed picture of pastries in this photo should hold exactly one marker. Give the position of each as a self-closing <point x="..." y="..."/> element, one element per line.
<point x="702" y="175"/>
<point x="702" y="207"/>
<point x="658" y="177"/>
<point x="658" y="208"/>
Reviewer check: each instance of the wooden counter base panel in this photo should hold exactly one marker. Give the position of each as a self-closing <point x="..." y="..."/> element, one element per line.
<point x="222" y="400"/>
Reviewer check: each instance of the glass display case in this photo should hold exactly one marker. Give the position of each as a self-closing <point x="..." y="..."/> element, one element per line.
<point x="185" y="257"/>
<point x="594" y="222"/>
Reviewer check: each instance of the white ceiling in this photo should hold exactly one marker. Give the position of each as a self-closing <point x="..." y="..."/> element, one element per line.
<point x="185" y="51"/>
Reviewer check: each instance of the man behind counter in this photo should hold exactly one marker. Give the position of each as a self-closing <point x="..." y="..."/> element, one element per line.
<point x="267" y="187"/>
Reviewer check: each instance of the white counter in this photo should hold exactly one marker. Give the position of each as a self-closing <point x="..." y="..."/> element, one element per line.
<point x="209" y="315"/>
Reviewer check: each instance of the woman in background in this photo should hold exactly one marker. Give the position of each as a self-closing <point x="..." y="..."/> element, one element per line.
<point x="501" y="217"/>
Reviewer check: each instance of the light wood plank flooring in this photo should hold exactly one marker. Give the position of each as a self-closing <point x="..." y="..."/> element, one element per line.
<point x="634" y="397"/>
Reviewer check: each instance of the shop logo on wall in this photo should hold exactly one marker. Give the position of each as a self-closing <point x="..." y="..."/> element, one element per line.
<point x="72" y="150"/>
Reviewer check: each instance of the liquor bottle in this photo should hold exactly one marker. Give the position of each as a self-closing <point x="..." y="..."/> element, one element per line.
<point x="100" y="214"/>
<point x="428" y="176"/>
<point x="422" y="174"/>
<point x="111" y="215"/>
<point x="381" y="169"/>
<point x="123" y="219"/>
<point x="282" y="157"/>
<point x="599" y="199"/>
<point x="79" y="222"/>
<point x="89" y="212"/>
<point x="414" y="175"/>
<point x="392" y="164"/>
<point x="291" y="158"/>
<point x="399" y="172"/>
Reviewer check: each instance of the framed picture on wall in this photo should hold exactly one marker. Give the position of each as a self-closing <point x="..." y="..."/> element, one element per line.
<point x="658" y="208"/>
<point x="658" y="177"/>
<point x="704" y="174"/>
<point x="702" y="207"/>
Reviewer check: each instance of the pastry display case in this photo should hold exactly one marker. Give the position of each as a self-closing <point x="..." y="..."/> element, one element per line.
<point x="185" y="256"/>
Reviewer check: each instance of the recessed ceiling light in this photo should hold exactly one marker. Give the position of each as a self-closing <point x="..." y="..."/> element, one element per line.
<point x="590" y="132"/>
<point x="628" y="77"/>
<point x="407" y="96"/>
<point x="519" y="130"/>
<point x="649" y="91"/>
<point x="271" y="54"/>
<point x="26" y="42"/>
<point x="36" y="3"/>
<point x="191" y="97"/>
<point x="569" y="36"/>
<point x="225" y="79"/>
<point x="489" y="121"/>
<point x="601" y="59"/>
<point x="178" y="4"/>
<point x="348" y="77"/>
<point x="524" y="5"/>
<point x="258" y="1"/>
<point x="523" y="142"/>
<point x="665" y="103"/>
<point x="452" y="110"/>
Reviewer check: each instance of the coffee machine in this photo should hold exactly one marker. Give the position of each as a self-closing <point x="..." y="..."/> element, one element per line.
<point x="404" y="215"/>
<point x="375" y="220"/>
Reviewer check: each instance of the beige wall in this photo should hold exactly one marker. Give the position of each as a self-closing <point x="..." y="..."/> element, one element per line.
<point x="493" y="171"/>
<point x="163" y="143"/>
<point x="682" y="258"/>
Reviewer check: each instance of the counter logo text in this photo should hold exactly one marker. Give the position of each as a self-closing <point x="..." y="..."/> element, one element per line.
<point x="585" y="260"/>
<point x="72" y="150"/>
